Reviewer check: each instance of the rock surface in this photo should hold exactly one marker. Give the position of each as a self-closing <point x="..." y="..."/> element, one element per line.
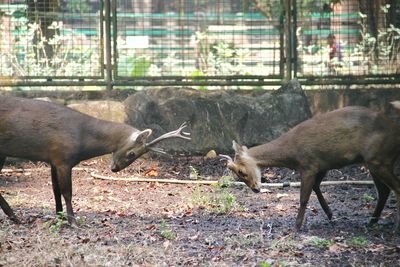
<point x="216" y="118"/>
<point x="105" y="110"/>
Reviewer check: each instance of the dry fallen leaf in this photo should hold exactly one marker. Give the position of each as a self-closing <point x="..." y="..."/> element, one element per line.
<point x="313" y="210"/>
<point x="194" y="237"/>
<point x="111" y="198"/>
<point x="166" y="244"/>
<point x="153" y="185"/>
<point x="269" y="174"/>
<point x="377" y="248"/>
<point x="121" y="214"/>
<point x="280" y="207"/>
<point x="39" y="224"/>
<point x="335" y="248"/>
<point x="98" y="198"/>
<point x="151" y="172"/>
<point x="281" y="195"/>
<point x="150" y="227"/>
<point x="216" y="248"/>
<point x="187" y="213"/>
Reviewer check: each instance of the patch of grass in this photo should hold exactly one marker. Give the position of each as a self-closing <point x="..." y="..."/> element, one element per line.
<point x="265" y="264"/>
<point x="225" y="181"/>
<point x="244" y="240"/>
<point x="286" y="244"/>
<point x="55" y="227"/>
<point x="165" y="232"/>
<point x="281" y="263"/>
<point x="200" y="198"/>
<point x="193" y="174"/>
<point x="141" y="65"/>
<point x="357" y="242"/>
<point x="226" y="202"/>
<point x="219" y="200"/>
<point x="368" y="198"/>
<point x="375" y="226"/>
<point x="80" y="220"/>
<point x="196" y="74"/>
<point x="321" y="243"/>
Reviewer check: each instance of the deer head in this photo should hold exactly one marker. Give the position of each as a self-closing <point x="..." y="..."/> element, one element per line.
<point x="245" y="167"/>
<point x="137" y="145"/>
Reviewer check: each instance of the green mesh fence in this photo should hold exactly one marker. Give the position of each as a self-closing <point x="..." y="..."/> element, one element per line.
<point x="341" y="38"/>
<point x="114" y="42"/>
<point x="196" y="38"/>
<point x="50" y="39"/>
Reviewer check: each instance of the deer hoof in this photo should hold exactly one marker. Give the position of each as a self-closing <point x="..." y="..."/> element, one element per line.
<point x="15" y="220"/>
<point x="373" y="221"/>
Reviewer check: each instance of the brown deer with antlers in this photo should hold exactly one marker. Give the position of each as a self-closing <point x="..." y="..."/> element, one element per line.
<point x="43" y="131"/>
<point x="328" y="141"/>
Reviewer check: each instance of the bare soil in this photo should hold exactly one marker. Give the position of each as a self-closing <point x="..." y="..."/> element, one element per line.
<point x="123" y="223"/>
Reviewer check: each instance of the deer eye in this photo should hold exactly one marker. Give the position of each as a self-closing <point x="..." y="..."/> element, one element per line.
<point x="241" y="173"/>
<point x="131" y="155"/>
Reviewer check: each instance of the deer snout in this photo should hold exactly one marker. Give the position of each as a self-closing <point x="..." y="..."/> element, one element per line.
<point x="115" y="168"/>
<point x="256" y="190"/>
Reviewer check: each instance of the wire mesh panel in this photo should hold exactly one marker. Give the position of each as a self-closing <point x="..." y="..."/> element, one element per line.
<point x="347" y="37"/>
<point x="233" y="40"/>
<point x="196" y="38"/>
<point x="50" y="39"/>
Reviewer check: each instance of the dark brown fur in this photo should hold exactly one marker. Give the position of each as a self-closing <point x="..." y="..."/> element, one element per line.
<point x="43" y="131"/>
<point x="329" y="141"/>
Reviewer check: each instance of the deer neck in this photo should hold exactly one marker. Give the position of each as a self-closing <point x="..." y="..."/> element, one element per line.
<point x="104" y="137"/>
<point x="272" y="154"/>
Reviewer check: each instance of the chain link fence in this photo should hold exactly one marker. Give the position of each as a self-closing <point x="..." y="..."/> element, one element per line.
<point x="47" y="40"/>
<point x="349" y="38"/>
<point x="198" y="42"/>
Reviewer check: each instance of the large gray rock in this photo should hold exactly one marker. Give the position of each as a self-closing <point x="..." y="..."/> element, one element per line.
<point x="105" y="110"/>
<point x="217" y="117"/>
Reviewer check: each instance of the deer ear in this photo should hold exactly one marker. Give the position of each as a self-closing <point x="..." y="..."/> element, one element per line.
<point x="238" y="148"/>
<point x="231" y="165"/>
<point x="143" y="135"/>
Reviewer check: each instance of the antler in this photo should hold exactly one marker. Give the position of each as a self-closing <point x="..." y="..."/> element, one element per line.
<point x="228" y="158"/>
<point x="178" y="133"/>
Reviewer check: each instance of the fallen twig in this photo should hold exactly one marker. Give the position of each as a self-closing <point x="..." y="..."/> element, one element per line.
<point x="45" y="168"/>
<point x="205" y="182"/>
<point x="149" y="180"/>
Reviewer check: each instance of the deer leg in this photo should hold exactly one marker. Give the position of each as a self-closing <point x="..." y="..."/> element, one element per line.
<point x="397" y="228"/>
<point x="384" y="173"/>
<point x="65" y="187"/>
<point x="3" y="203"/>
<point x="320" y="197"/>
<point x="56" y="189"/>
<point x="306" y="186"/>
<point x="7" y="210"/>
<point x="2" y="160"/>
<point x="383" y="194"/>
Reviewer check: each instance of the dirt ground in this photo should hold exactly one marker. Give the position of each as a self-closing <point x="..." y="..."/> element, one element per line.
<point x="122" y="223"/>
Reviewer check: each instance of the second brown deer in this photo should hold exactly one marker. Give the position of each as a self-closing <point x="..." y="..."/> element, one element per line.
<point x="328" y="141"/>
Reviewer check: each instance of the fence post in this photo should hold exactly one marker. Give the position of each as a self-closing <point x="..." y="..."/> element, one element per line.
<point x="288" y="40"/>
<point x="294" y="39"/>
<point x="108" y="52"/>
<point x="114" y="38"/>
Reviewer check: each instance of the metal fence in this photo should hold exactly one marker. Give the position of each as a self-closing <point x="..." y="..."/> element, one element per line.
<point x="42" y="41"/>
<point x="348" y="42"/>
<point x="204" y="43"/>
